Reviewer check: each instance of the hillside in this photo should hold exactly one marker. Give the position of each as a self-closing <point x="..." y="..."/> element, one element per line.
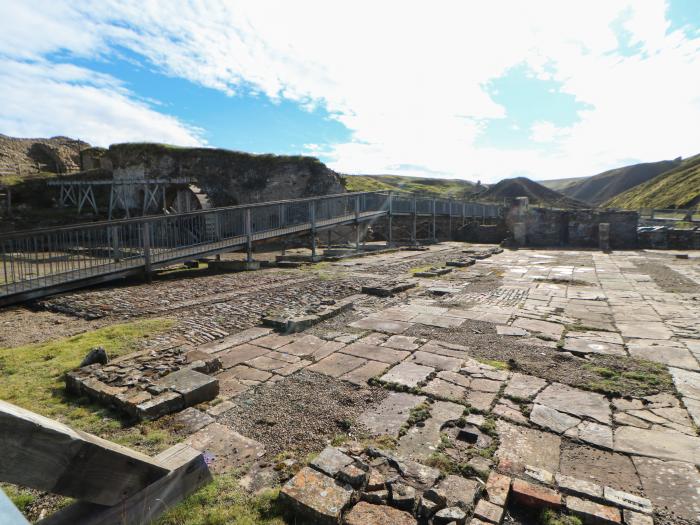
<point x="676" y="188"/>
<point x="604" y="186"/>
<point x="560" y="184"/>
<point x="38" y="157"/>
<point x="509" y="189"/>
<point x="442" y="187"/>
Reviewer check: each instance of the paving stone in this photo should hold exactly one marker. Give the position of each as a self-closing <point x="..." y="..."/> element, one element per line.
<point x="331" y="461"/>
<point x="644" y="330"/>
<point x="408" y="374"/>
<point x="603" y="337"/>
<point x="229" y="388"/>
<point x="539" y="474"/>
<point x="486" y="385"/>
<point x="438" y="362"/>
<point x="226" y="449"/>
<point x="275" y="341"/>
<point x="623" y="418"/>
<point x="498" y="488"/>
<point x="521" y="386"/>
<point x="511" y="331"/>
<point x="316" y="497"/>
<point x="235" y="339"/>
<point x="552" y="419"/>
<point x="245" y="373"/>
<point x="367" y="514"/>
<point x="549" y="330"/>
<point x="364" y="373"/>
<point x="306" y="346"/>
<point x="687" y="382"/>
<point x="391" y="414"/>
<point x="444" y="390"/>
<point x="593" y="513"/>
<point x="671" y="485"/>
<point x="454" y="377"/>
<point x="636" y="518"/>
<point x="655" y="444"/>
<point x="160" y="405"/>
<point x="191" y="420"/>
<point x="327" y="349"/>
<point x="580" y="487"/>
<point x="667" y="354"/>
<point x="441" y="321"/>
<point x="292" y="368"/>
<point x="390" y="327"/>
<point x="240" y="354"/>
<point x="421" y="441"/>
<point x="401" y="342"/>
<point x="454" y="491"/>
<point x="194" y="387"/>
<point x="488" y="512"/>
<point x="575" y="402"/>
<point x="337" y="364"/>
<point x="266" y="362"/>
<point x="592" y="433"/>
<point x="481" y="465"/>
<point x="221" y="408"/>
<point x="376" y="353"/>
<point x="627" y="500"/>
<point x="521" y="446"/>
<point x="480" y="400"/>
<point x="281" y="355"/>
<point x="535" y="495"/>
<point x="598" y="466"/>
<point x="584" y="346"/>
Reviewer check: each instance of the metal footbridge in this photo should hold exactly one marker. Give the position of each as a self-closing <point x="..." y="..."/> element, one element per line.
<point x="41" y="262"/>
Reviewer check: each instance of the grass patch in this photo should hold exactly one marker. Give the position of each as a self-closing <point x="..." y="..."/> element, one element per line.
<point x="500" y="365"/>
<point x="419" y="269"/>
<point x="21" y="497"/>
<point x="222" y="502"/>
<point x="550" y="517"/>
<point x="643" y="378"/>
<point x="31" y="377"/>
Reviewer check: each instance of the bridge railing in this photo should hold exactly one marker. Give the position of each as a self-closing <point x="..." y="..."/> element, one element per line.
<point x="43" y="258"/>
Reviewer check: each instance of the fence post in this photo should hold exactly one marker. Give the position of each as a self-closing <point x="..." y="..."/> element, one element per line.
<point x="413" y="227"/>
<point x="146" y="236"/>
<point x="449" y="205"/>
<point x="357" y="223"/>
<point x="248" y="236"/>
<point x="312" y="216"/>
<point x="391" y="204"/>
<point x="434" y="222"/>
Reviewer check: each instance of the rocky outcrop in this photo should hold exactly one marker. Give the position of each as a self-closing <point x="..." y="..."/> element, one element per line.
<point x="32" y="156"/>
<point x="226" y="177"/>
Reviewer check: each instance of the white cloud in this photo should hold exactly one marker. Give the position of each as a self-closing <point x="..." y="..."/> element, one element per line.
<point x="406" y="77"/>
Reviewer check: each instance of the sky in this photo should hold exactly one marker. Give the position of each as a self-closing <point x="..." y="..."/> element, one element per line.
<point x="477" y="90"/>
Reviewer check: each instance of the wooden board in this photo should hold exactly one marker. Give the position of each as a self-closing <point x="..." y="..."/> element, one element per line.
<point x="188" y="472"/>
<point x="43" y="454"/>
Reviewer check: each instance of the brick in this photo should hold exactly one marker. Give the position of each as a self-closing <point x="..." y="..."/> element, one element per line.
<point x="498" y="488"/>
<point x="593" y="513"/>
<point x="488" y="512"/>
<point x="535" y="496"/>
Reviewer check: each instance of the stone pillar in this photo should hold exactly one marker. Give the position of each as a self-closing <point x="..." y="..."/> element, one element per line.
<point x="604" y="236"/>
<point x="520" y="233"/>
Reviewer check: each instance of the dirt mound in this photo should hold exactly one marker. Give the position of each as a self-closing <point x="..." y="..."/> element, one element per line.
<point x="28" y="157"/>
<point x="509" y="189"/>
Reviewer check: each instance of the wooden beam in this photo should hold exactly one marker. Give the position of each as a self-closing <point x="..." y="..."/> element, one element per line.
<point x="188" y="472"/>
<point x="43" y="454"/>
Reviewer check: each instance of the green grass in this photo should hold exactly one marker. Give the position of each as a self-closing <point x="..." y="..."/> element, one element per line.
<point x="31" y="377"/>
<point x="222" y="502"/>
<point x="645" y="379"/>
<point x="551" y="517"/>
<point x="21" y="497"/>
<point x="456" y="188"/>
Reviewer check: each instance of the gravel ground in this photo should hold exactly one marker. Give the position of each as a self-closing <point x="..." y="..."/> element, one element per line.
<point x="666" y="278"/>
<point x="549" y="363"/>
<point x="301" y="413"/>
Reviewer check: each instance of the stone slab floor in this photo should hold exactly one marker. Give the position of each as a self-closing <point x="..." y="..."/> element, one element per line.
<point x="575" y="372"/>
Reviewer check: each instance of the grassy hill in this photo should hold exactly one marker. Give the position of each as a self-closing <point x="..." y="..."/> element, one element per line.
<point x="602" y="187"/>
<point x="441" y="187"/>
<point x="538" y="194"/>
<point x="676" y="188"/>
<point x="560" y="184"/>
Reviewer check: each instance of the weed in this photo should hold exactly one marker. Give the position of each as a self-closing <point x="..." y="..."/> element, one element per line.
<point x="550" y="517"/>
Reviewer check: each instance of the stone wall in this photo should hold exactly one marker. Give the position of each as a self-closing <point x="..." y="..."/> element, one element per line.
<point x="670" y="239"/>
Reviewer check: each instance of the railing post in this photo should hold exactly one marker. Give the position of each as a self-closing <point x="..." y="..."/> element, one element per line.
<point x="434" y="222"/>
<point x="146" y="237"/>
<point x="248" y="235"/>
<point x="390" y="211"/>
<point x="312" y="217"/>
<point x="449" y="207"/>
<point x="463" y="213"/>
<point x="413" y="227"/>
<point x="357" y="223"/>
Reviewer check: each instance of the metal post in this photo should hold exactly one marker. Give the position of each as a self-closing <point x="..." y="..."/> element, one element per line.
<point x="449" y="205"/>
<point x="249" y="236"/>
<point x="391" y="203"/>
<point x="116" y="253"/>
<point x="146" y="251"/>
<point x="434" y="223"/>
<point x="413" y="228"/>
<point x="312" y="216"/>
<point x="357" y="223"/>
<point x="463" y="214"/>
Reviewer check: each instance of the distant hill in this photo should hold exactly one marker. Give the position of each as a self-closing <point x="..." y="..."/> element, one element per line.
<point x="456" y="188"/>
<point x="538" y="194"/>
<point x="560" y="184"/>
<point x="677" y="188"/>
<point x="602" y="187"/>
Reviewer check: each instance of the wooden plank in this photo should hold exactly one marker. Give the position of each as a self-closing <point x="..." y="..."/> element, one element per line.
<point x="9" y="514"/>
<point x="188" y="472"/>
<point x="40" y="453"/>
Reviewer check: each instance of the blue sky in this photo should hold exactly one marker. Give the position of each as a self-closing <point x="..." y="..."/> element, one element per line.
<point x="453" y="89"/>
